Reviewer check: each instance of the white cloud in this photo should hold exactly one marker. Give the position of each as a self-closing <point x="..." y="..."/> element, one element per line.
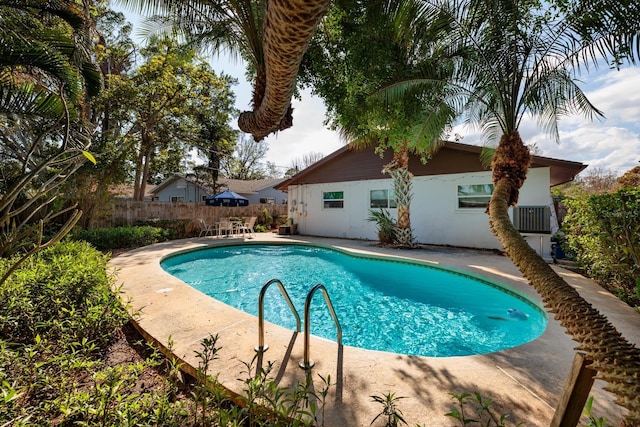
<point x="611" y="143"/>
<point x="307" y="135"/>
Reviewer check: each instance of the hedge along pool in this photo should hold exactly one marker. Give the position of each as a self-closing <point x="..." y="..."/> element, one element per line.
<point x="388" y="304"/>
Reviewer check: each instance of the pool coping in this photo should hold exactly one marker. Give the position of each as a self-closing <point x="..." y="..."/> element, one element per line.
<point x="525" y="381"/>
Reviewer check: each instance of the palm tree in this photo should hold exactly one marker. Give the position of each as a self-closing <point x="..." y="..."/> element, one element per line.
<point x="240" y="26"/>
<point x="519" y="58"/>
<point x="46" y="75"/>
<point x="54" y="56"/>
<point x="355" y="54"/>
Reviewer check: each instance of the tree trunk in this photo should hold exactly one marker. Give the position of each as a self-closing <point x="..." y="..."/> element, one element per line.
<point x="138" y="175"/>
<point x="617" y="360"/>
<point x="145" y="172"/>
<point x="288" y="27"/>
<point x="402" y="185"/>
<point x="398" y="168"/>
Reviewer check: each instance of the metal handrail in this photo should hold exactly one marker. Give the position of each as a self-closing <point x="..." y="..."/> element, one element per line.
<point x="261" y="347"/>
<point x="307" y="363"/>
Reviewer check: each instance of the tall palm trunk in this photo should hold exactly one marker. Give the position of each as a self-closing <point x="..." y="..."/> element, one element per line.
<point x="617" y="360"/>
<point x="398" y="168"/>
<point x="402" y="185"/>
<point x="288" y="27"/>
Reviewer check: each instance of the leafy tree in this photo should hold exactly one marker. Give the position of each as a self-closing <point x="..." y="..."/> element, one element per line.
<point x="357" y="53"/>
<point x="115" y="52"/>
<point x="166" y="101"/>
<point x="246" y="161"/>
<point x="233" y="25"/>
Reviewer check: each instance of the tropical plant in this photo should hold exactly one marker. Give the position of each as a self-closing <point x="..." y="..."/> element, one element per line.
<point x="519" y="58"/>
<point x="387" y="227"/>
<point x="480" y="413"/>
<point x="46" y="75"/>
<point x="390" y="409"/>
<point x="238" y="27"/>
<point x="592" y="421"/>
<point x="48" y="43"/>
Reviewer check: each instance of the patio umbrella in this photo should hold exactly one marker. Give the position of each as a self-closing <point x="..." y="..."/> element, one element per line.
<point x="227" y="198"/>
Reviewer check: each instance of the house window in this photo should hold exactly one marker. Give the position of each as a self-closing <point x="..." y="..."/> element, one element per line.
<point x="476" y="196"/>
<point x="333" y="199"/>
<point x="382" y="199"/>
<point x="268" y="200"/>
<point x="177" y="198"/>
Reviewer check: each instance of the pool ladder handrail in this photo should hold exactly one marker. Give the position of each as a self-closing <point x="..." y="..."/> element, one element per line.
<point x="261" y="347"/>
<point x="307" y="363"/>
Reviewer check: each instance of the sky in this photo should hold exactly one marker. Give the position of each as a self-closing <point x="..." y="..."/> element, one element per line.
<point x="611" y="144"/>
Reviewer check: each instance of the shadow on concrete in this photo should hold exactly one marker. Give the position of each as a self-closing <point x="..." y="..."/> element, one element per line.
<point x="286" y="358"/>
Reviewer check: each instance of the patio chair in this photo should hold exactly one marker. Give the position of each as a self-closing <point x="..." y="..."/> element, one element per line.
<point x="225" y="227"/>
<point x="207" y="230"/>
<point x="247" y="227"/>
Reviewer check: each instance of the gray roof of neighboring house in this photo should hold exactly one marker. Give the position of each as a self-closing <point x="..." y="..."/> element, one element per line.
<point x="249" y="187"/>
<point x="177" y="176"/>
<point x="237" y="185"/>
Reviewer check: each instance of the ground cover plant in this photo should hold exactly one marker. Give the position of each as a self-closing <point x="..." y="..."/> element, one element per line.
<point x="69" y="357"/>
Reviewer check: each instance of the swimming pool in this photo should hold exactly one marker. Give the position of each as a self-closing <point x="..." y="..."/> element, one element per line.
<point x="386" y="304"/>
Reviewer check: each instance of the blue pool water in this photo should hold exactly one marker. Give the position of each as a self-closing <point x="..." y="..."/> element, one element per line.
<point x="389" y="305"/>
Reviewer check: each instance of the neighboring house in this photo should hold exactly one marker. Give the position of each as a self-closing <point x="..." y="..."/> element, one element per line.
<point x="181" y="188"/>
<point x="257" y="191"/>
<point x="334" y="196"/>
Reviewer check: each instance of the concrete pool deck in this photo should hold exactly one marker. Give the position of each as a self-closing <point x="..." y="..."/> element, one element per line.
<point x="524" y="381"/>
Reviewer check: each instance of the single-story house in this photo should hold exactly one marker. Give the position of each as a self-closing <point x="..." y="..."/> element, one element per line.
<point x="261" y="191"/>
<point x="186" y="188"/>
<point x="181" y="188"/>
<point x="334" y="197"/>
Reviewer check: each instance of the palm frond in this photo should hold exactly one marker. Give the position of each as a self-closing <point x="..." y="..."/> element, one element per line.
<point x="28" y="100"/>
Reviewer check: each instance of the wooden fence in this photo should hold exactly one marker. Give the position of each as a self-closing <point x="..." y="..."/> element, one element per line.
<point x="128" y="212"/>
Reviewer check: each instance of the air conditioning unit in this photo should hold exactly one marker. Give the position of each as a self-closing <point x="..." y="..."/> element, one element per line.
<point x="532" y="219"/>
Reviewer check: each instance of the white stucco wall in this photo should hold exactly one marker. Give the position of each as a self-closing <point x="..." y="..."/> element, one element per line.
<point x="435" y="216"/>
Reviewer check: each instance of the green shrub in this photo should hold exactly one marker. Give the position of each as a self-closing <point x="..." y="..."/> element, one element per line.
<point x="123" y="237"/>
<point x="177" y="228"/>
<point x="604" y="232"/>
<point x="62" y="293"/>
<point x="265" y="219"/>
<point x="259" y="228"/>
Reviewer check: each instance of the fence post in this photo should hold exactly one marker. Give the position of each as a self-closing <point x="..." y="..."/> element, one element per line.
<point x="575" y="393"/>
